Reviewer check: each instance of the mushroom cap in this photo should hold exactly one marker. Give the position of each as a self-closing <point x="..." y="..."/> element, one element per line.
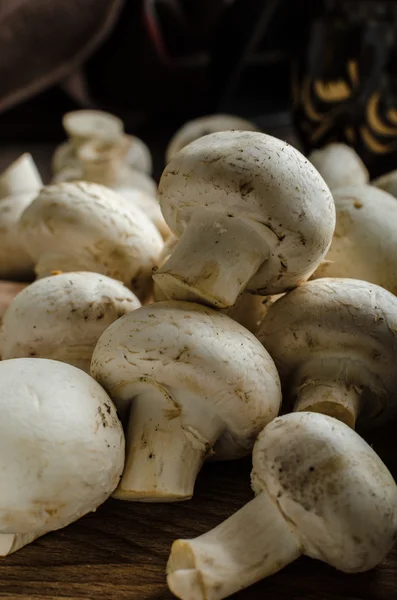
<point x="137" y="180"/>
<point x="87" y="227"/>
<point x="92" y="124"/>
<point x="21" y="177"/>
<point x="364" y="245"/>
<point x="130" y="179"/>
<point x="15" y="262"/>
<point x="387" y="183"/>
<point x="264" y="181"/>
<point x="138" y="156"/>
<point x="345" y="326"/>
<point x="63" y="316"/>
<point x="188" y="348"/>
<point x="148" y="204"/>
<point x="61" y="445"/>
<point x="339" y="165"/>
<point x="331" y="485"/>
<point x="197" y="128"/>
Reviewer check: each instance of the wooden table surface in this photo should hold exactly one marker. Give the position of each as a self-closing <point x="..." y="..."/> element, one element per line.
<point x="120" y="552"/>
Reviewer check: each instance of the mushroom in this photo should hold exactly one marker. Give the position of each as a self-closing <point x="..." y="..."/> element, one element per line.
<point x="251" y="213"/>
<point x="20" y="177"/>
<point x="320" y="491"/>
<point x="194" y="382"/>
<point x="193" y="130"/>
<point x="63" y="316"/>
<point x="334" y="342"/>
<point x="339" y="165"/>
<point x="249" y="309"/>
<point x="19" y="184"/>
<point x="87" y="227"/>
<point x="364" y="245"/>
<point x="61" y="448"/>
<point x="102" y="163"/>
<point x="85" y="125"/>
<point x="387" y="183"/>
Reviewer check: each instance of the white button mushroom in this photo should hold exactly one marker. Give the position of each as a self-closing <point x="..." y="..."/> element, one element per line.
<point x="20" y="177"/>
<point x="19" y="184"/>
<point x="193" y="130"/>
<point x="63" y="316"/>
<point x="61" y="448"/>
<point x="103" y="163"/>
<point x="193" y="380"/>
<point x="85" y="125"/>
<point x="334" y="342"/>
<point x="87" y="227"/>
<point x="339" y="165"/>
<point x="364" y="244"/>
<point x="387" y="183"/>
<point x="321" y="491"/>
<point x="251" y="213"/>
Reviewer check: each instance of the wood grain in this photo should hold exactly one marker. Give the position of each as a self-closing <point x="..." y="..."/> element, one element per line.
<point x="120" y="552"/>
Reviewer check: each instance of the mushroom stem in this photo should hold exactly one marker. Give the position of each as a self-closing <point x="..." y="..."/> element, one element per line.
<point x="166" y="446"/>
<point x="102" y="162"/>
<point x="11" y="542"/>
<point x="336" y="399"/>
<point x="105" y="172"/>
<point x="20" y="177"/>
<point x="227" y="252"/>
<point x="252" y="544"/>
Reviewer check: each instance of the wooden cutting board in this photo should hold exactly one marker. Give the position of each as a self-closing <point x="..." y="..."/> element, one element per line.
<point x="120" y="552"/>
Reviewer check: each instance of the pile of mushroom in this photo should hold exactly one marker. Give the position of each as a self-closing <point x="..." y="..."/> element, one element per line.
<point x="244" y="231"/>
<point x="192" y="382"/>
<point x="63" y="316"/>
<point x="251" y="214"/>
<point x="87" y="227"/>
<point x="320" y="491"/>
<point x="61" y="448"/>
<point x="19" y="184"/>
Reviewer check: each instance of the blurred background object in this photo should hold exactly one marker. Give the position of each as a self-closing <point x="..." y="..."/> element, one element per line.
<point x="308" y="71"/>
